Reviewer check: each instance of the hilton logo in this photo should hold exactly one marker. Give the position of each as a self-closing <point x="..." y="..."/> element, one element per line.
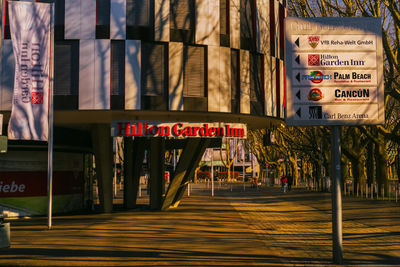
<point x="313" y="60"/>
<point x="315" y="112"/>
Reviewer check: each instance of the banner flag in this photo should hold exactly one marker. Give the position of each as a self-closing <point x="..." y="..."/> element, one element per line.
<point x="30" y="35"/>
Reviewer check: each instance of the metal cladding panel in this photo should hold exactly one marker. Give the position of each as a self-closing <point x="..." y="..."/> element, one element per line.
<point x="7" y="75"/>
<point x="161" y="20"/>
<point x="262" y="33"/>
<point x="88" y="19"/>
<point x="80" y="19"/>
<point x="175" y="76"/>
<point x="86" y="74"/>
<point x="268" y="86"/>
<point x="273" y="87"/>
<point x="72" y="19"/>
<point x="234" y="17"/>
<point x="244" y="82"/>
<point x="133" y="66"/>
<point x="282" y="88"/>
<point x="214" y="96"/>
<point x="277" y="25"/>
<point x="225" y="79"/>
<point x="102" y="74"/>
<point x="207" y="22"/>
<point x="118" y="19"/>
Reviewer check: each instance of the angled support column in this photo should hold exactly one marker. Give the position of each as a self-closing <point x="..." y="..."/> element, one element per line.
<point x="102" y="146"/>
<point x="133" y="155"/>
<point x="190" y="158"/>
<point x="157" y="159"/>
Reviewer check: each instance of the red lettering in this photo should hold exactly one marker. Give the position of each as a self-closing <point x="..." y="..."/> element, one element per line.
<point x="211" y="131"/>
<point x="154" y="130"/>
<point x="228" y="132"/>
<point x="123" y="126"/>
<point x="165" y="130"/>
<point x="204" y="130"/>
<point x="195" y="130"/>
<point x="175" y="129"/>
<point x="187" y="131"/>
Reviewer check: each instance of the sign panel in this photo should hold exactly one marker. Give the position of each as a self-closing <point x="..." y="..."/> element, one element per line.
<point x="334" y="42"/>
<point x="178" y="129"/>
<point x="334" y="71"/>
<point x="315" y="77"/>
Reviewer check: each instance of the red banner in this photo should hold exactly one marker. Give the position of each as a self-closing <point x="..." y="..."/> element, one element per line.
<point x="29" y="184"/>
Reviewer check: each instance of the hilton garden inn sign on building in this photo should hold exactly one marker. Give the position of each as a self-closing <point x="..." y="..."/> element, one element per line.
<point x="150" y="61"/>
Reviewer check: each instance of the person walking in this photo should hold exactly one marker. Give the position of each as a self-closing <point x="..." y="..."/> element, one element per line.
<point x="284" y="183"/>
<point x="289" y="182"/>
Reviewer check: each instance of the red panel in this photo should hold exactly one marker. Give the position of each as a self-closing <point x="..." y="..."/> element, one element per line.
<point x="29" y="184"/>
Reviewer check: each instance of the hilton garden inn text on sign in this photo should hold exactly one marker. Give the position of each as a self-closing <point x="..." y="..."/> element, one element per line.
<point x="334" y="71"/>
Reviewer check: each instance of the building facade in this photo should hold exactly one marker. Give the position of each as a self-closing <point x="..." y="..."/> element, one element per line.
<point x="158" y="60"/>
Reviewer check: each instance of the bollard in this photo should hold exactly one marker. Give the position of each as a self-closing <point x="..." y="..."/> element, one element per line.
<point x="383" y="192"/>
<point x="372" y="191"/>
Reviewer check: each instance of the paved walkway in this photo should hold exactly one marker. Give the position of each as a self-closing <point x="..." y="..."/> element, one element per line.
<point x="260" y="228"/>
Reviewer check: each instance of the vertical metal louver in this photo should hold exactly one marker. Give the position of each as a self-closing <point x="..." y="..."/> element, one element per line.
<point x="66" y="68"/>
<point x="194" y="72"/>
<point x="181" y="14"/>
<point x="224" y="16"/>
<point x="235" y="75"/>
<point x="153" y="69"/>
<point x="103" y="12"/>
<point x="246" y="19"/>
<point x="118" y="68"/>
<point x="138" y="13"/>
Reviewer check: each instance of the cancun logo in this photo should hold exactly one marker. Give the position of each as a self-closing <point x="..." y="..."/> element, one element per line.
<point x="315" y="94"/>
<point x="313" y="41"/>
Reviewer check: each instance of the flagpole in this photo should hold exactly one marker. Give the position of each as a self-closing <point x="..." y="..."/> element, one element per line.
<point x="50" y="129"/>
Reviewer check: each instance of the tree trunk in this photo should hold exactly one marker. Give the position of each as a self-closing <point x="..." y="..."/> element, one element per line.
<point x="370" y="163"/>
<point x="381" y="167"/>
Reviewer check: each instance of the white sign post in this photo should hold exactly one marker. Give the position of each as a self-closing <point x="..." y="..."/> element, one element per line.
<point x="334" y="76"/>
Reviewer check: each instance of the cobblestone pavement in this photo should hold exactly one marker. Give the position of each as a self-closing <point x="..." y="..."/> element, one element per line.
<point x="235" y="228"/>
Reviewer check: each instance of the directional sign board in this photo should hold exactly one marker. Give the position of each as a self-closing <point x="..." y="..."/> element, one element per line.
<point x="334" y="71"/>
